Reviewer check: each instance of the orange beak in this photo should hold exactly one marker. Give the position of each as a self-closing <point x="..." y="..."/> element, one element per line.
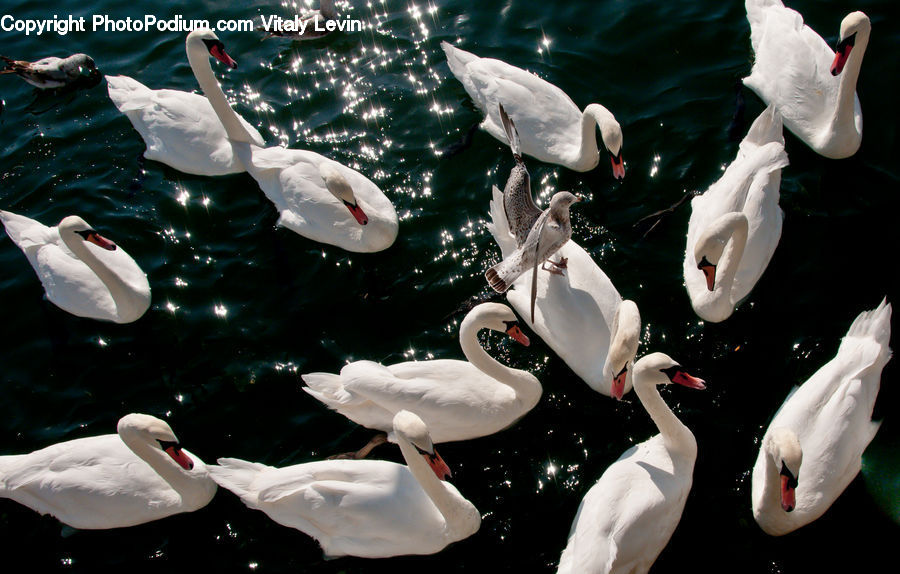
<point x="357" y="213"/>
<point x="618" y="384"/>
<point x="218" y="52"/>
<point x="709" y="271"/>
<point x="516" y="333"/>
<point x="101" y="241"/>
<point x="178" y="456"/>
<point x="438" y="465"/>
<point x="688" y="381"/>
<point x="618" y="166"/>
<point x="788" y="495"/>
<point x="841" y="54"/>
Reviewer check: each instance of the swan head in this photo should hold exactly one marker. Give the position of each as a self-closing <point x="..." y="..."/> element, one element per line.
<point x="783" y="446"/>
<point x="612" y="139"/>
<point x="661" y="369"/>
<point x="711" y="244"/>
<point x="611" y="134"/>
<point x="156" y="432"/>
<point x="500" y="318"/>
<point x="411" y="428"/>
<point x="851" y="25"/>
<point x="213" y="45"/>
<point x="337" y="184"/>
<point x="73" y="226"/>
<point x="626" y="332"/>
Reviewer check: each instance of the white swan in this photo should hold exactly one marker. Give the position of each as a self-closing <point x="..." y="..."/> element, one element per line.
<point x="576" y="314"/>
<point x="110" y="481"/>
<point x="458" y="400"/>
<point x="367" y="508"/>
<point x="736" y="224"/>
<point x="813" y="88"/>
<point x="551" y="127"/>
<point x="181" y="129"/>
<point x="316" y="197"/>
<point x="813" y="447"/>
<point x="82" y="272"/>
<point x="626" y="519"/>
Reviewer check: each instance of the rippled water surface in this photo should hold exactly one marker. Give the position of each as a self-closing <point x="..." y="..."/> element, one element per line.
<point x="241" y="308"/>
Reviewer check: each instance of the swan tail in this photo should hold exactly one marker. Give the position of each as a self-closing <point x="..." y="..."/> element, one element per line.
<point x="237" y="476"/>
<point x="870" y="335"/>
<point x="128" y="94"/>
<point x="512" y="135"/>
<point x="875" y="324"/>
<point x="766" y="128"/>
<point x="457" y="59"/>
<point x="499" y="225"/>
<point x="327" y="388"/>
<point x="25" y="232"/>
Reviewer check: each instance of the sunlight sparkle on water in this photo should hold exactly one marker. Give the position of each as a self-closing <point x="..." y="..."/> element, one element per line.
<point x="220" y="310"/>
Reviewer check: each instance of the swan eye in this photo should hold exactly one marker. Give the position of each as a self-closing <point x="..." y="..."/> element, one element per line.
<point x="625" y="369"/>
<point x="420" y="451"/>
<point x="703" y="264"/>
<point x="164" y="444"/>
<point x="847" y="42"/>
<point x="86" y="233"/>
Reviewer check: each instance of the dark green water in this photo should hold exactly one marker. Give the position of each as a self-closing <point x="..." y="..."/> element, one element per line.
<point x="382" y="101"/>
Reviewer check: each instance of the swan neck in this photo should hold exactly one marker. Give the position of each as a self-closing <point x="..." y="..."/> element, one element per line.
<point x="451" y="507"/>
<point x="675" y="434"/>
<point x="525" y="386"/>
<point x="121" y="293"/>
<point x="731" y="259"/>
<point x="592" y="117"/>
<point x="198" y="58"/>
<point x="771" y="488"/>
<point x="158" y="460"/>
<point x="848" y="78"/>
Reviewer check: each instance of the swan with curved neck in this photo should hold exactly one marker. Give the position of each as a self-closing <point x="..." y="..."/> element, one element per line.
<point x="575" y="314"/>
<point x="366" y="508"/>
<point x="813" y="87"/>
<point x="729" y="230"/>
<point x="551" y="127"/>
<point x="182" y="129"/>
<point x="316" y="197"/>
<point x="97" y="281"/>
<point x="813" y="447"/>
<point x="625" y="338"/>
<point x="110" y="481"/>
<point x="782" y="460"/>
<point x="736" y="224"/>
<point x="458" y="400"/>
<point x="626" y="519"/>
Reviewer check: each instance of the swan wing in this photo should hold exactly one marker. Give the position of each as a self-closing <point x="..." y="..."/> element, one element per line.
<point x="548" y="121"/>
<point x="95" y="482"/>
<point x="181" y="129"/>
<point x="291" y="179"/>
<point x="791" y="67"/>
<point x="27" y="233"/>
<point x="831" y="413"/>
<point x="573" y="314"/>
